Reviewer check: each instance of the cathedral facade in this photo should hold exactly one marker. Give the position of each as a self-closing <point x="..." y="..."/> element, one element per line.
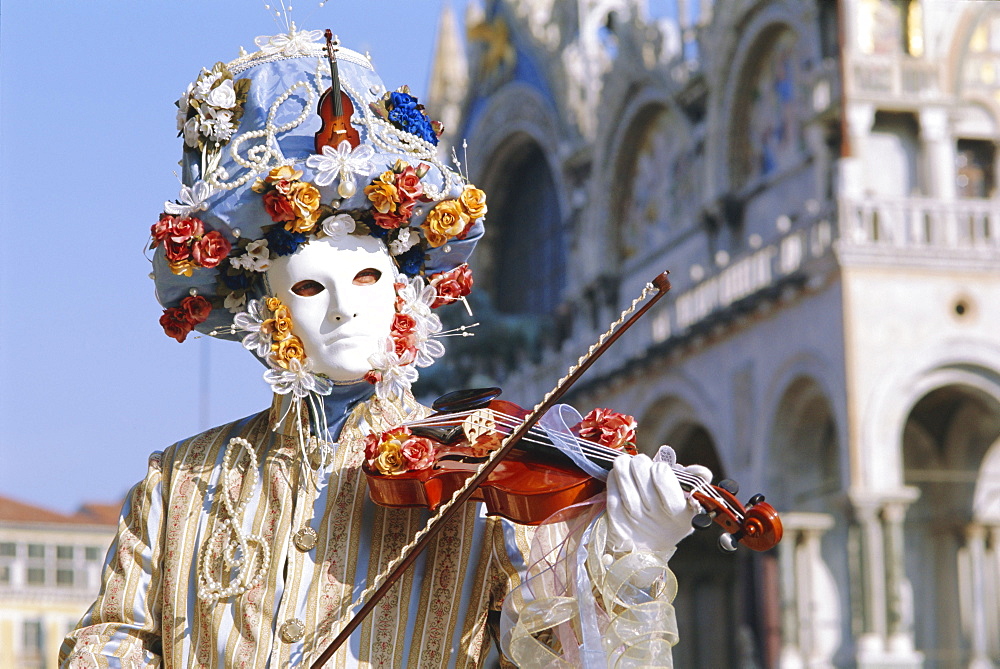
<point x="820" y="178"/>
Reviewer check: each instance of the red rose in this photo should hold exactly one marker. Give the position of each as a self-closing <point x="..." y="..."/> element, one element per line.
<point x="418" y="452"/>
<point x="161" y="228"/>
<point x="373" y="376"/>
<point x="278" y="207"/>
<point x="611" y="429"/>
<point x="452" y="285"/>
<point x="177" y="251"/>
<point x="183" y="229"/>
<point x="372" y="443"/>
<point x="211" y="249"/>
<point x="403" y="324"/>
<point x="408" y="184"/>
<point x="196" y="308"/>
<point x="175" y="324"/>
<point x="405" y="348"/>
<point x="390" y="220"/>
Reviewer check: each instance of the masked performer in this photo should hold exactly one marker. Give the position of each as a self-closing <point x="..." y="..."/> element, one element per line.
<point x="318" y="226"/>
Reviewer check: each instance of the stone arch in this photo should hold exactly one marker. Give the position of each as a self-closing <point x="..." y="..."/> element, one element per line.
<point x="524" y="249"/>
<point x="735" y="62"/>
<point x="950" y="451"/>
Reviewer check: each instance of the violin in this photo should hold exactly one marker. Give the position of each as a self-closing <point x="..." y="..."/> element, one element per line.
<point x="335" y="108"/>
<point x="537" y="479"/>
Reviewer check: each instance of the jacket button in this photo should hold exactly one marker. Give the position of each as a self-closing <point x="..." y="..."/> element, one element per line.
<point x="292" y="630"/>
<point x="305" y="539"/>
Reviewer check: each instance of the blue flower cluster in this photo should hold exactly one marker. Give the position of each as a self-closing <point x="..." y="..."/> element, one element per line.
<point x="411" y="262"/>
<point x="282" y="242"/>
<point x="406" y="114"/>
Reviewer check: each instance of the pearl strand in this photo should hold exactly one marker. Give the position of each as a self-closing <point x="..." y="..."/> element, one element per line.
<point x="211" y="590"/>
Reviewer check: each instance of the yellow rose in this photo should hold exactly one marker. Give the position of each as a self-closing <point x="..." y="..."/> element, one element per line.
<point x="284" y="173"/>
<point x="273" y="304"/>
<point x="390" y="459"/>
<point x="383" y="193"/>
<point x="185" y="267"/>
<point x="280" y="310"/>
<point x="473" y="201"/>
<point x="444" y="221"/>
<point x="288" y="349"/>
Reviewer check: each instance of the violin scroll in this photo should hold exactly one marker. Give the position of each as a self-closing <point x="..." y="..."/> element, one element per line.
<point x="756" y="526"/>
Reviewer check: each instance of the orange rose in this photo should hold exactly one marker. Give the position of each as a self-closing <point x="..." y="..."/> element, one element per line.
<point x="446" y="220"/>
<point x="383" y="194"/>
<point x="278" y="328"/>
<point x="288" y="349"/>
<point x="273" y="303"/>
<point x="473" y="201"/>
<point x="390" y="460"/>
<point x="304" y="198"/>
<point x="284" y="173"/>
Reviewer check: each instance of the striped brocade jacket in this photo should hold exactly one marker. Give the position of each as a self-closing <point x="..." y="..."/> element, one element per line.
<point x="309" y="541"/>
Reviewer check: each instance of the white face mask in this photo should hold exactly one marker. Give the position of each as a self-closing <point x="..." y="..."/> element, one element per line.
<point x="342" y="301"/>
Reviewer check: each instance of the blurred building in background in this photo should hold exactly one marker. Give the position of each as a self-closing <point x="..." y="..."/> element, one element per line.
<point x="820" y="177"/>
<point x="50" y="573"/>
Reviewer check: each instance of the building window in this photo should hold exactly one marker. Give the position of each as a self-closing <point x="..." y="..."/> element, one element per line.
<point x="36" y="576"/>
<point x="32" y="643"/>
<point x="8" y="549"/>
<point x="974" y="175"/>
<point x="36" y="551"/>
<point x="5" y="574"/>
<point x="93" y="553"/>
<point x="64" y="577"/>
<point x="64" y="552"/>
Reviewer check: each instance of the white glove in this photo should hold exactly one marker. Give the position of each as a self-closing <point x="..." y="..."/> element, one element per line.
<point x="647" y="509"/>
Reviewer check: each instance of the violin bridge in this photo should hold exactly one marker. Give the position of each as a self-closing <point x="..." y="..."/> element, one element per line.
<point x="478" y="424"/>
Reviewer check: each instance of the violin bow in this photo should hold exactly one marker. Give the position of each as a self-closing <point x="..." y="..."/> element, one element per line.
<point x="660" y="284"/>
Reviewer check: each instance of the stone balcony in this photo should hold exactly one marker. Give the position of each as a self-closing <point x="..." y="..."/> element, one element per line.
<point x="891" y="78"/>
<point x="923" y="231"/>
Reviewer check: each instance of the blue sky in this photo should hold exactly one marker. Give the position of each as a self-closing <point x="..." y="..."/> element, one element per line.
<point x="88" y="147"/>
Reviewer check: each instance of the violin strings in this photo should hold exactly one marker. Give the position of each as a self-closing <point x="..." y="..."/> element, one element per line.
<point x="596" y="452"/>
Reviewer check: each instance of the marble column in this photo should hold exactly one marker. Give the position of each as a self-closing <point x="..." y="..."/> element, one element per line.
<point x="975" y="544"/>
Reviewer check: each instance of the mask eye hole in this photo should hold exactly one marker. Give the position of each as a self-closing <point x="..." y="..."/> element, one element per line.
<point x="308" y="288"/>
<point x="367" y="277"/>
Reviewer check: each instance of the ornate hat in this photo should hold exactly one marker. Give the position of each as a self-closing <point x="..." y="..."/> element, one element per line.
<point x="275" y="155"/>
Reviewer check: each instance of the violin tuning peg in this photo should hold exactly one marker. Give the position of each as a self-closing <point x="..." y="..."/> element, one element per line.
<point x="702" y="521"/>
<point x="729" y="486"/>
<point x="727" y="543"/>
<point x="755" y="500"/>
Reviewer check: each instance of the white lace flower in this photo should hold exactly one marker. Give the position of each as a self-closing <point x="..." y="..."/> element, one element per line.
<point x="250" y="321"/>
<point x="192" y="199"/>
<point x="417" y="297"/>
<point x="223" y="95"/>
<point x="405" y="240"/>
<point x="298" y="379"/>
<point x="339" y="226"/>
<point x="395" y="378"/>
<point x="234" y="303"/>
<point x="295" y="43"/>
<point x="342" y="162"/>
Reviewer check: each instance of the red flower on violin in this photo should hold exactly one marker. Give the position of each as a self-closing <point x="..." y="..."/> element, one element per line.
<point x="610" y="429"/>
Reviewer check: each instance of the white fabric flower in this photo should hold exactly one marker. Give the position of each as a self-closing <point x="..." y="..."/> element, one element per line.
<point x="203" y="86"/>
<point x="234" y="303"/>
<point x="404" y="241"/>
<point x="223" y="95"/>
<point x="191" y="133"/>
<point x="258" y="256"/>
<point x="295" y="43"/>
<point x="339" y="226"/>
<point x="217" y="124"/>
<point x="342" y="162"/>
<point x="192" y="199"/>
